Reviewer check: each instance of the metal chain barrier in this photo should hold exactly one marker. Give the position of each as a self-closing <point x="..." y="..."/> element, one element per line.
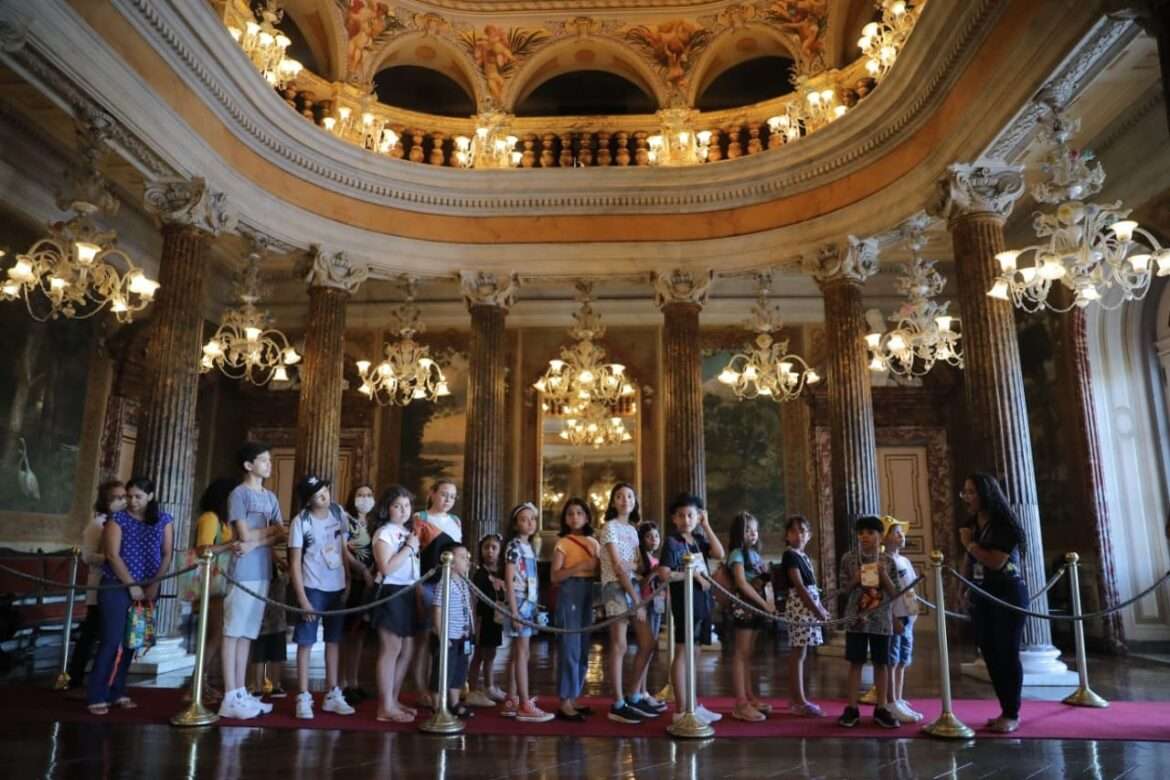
<point x="326" y="612"/>
<point x="503" y="610"/>
<point x="65" y="586"/>
<point x="953" y="615"/>
<point x="1055" y="579"/>
<point x="1044" y="615"/>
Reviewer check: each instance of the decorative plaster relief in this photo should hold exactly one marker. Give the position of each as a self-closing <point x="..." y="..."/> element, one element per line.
<point x="488" y="289"/>
<point x="978" y="188"/>
<point x="679" y="286"/>
<point x="855" y="260"/>
<point x="334" y="270"/>
<point x="189" y="202"/>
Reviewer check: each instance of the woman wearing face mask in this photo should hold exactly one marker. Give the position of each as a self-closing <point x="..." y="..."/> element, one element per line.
<point x="360" y="517"/>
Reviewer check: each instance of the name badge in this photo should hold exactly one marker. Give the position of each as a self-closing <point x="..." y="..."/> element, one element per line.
<point x="531" y="589"/>
<point x="977" y="572"/>
<point x="869" y="575"/>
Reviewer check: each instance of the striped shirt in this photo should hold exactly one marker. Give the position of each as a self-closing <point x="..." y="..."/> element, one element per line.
<point x="459" y="622"/>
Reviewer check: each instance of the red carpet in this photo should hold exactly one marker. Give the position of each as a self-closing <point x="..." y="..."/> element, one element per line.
<point x="1042" y="719"/>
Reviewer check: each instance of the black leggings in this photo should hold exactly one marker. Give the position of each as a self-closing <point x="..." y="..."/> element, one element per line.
<point x="999" y="633"/>
<point x="87" y="637"/>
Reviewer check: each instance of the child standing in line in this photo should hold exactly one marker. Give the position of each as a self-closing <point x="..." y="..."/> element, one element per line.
<point x="520" y="579"/>
<point x="803" y="605"/>
<point x="688" y="515"/>
<point x="905" y="611"/>
<point x="867" y="575"/>
<point x="111" y="498"/>
<point x="396" y="559"/>
<point x="747" y="573"/>
<point x="359" y="517"/>
<point x="459" y="631"/>
<point x="319" y="562"/>
<point x="270" y="649"/>
<point x="651" y="576"/>
<point x="574" y="565"/>
<point x="437" y="529"/>
<point x="488" y="634"/>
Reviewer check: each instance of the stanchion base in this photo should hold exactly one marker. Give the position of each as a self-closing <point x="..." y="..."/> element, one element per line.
<point x="690" y="727"/>
<point x="442" y="722"/>
<point x="949" y="727"/>
<point x="1085" y="697"/>
<point x="195" y="715"/>
<point x="666" y="694"/>
<point x="62" y="682"/>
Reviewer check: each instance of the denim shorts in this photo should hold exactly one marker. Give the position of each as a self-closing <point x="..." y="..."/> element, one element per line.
<point x="902" y="645"/>
<point x="527" y="611"/>
<point x="305" y="632"/>
<point x="615" y="598"/>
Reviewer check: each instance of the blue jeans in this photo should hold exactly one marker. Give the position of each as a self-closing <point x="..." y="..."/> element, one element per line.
<point x="107" y="679"/>
<point x="574" y="611"/>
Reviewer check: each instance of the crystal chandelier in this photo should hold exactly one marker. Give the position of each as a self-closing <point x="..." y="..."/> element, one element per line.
<point x="407" y="373"/>
<point x="881" y="42"/>
<point x="678" y="143"/>
<point x="594" y="425"/>
<point x="245" y="346"/>
<point x="787" y="125"/>
<point x="767" y="369"/>
<point x="924" y="333"/>
<point x="78" y="271"/>
<point x="265" y="46"/>
<point x="600" y="489"/>
<point x="579" y="375"/>
<point x="1091" y="249"/>
<point x="550" y="496"/>
<point x="492" y="146"/>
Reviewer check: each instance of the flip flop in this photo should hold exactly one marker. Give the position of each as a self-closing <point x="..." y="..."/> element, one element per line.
<point x="401" y="717"/>
<point x="127" y="703"/>
<point x="99" y="709"/>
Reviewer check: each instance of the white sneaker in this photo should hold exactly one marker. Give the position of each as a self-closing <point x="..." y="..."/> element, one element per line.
<point x="261" y="705"/>
<point x="238" y="706"/>
<point x="305" y="705"/>
<point x="901" y="714"/>
<point x="707" y="715"/>
<point x="335" y="702"/>
<point x="479" y="699"/>
<point x="905" y="706"/>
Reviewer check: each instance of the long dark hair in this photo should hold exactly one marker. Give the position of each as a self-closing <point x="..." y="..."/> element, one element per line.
<point x="479" y="550"/>
<point x="575" y="501"/>
<point x="102" y="504"/>
<point x="611" y="510"/>
<point x="737" y="539"/>
<point x="644" y="530"/>
<point x="215" y="498"/>
<point x="513" y="531"/>
<point x="146" y="486"/>
<point x="999" y="512"/>
<point x="381" y="513"/>
<point x="349" y="506"/>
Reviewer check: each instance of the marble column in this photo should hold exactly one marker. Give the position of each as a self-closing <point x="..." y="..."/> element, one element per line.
<point x="165" y="447"/>
<point x="976" y="200"/>
<point x="488" y="298"/>
<point x="332" y="279"/>
<point x="680" y="297"/>
<point x="840" y="271"/>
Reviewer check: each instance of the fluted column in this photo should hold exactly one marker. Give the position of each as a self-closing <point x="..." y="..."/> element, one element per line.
<point x="165" y="447"/>
<point x="332" y="279"/>
<point x="976" y="199"/>
<point x="681" y="297"/>
<point x="840" y="272"/>
<point x="488" y="299"/>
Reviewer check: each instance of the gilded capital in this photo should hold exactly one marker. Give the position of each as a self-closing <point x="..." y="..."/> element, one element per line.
<point x="334" y="270"/>
<point x="488" y="289"/>
<point x="852" y="260"/>
<point x="990" y="188"/>
<point x="189" y="202"/>
<point x="680" y="286"/>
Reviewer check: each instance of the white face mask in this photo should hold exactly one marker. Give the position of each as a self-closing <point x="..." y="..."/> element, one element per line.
<point x="364" y="504"/>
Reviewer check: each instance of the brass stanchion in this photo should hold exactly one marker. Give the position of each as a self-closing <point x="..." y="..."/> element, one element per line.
<point x="443" y="722"/>
<point x="196" y="714"/>
<point x="1083" y="696"/>
<point x="688" y="724"/>
<point x="667" y="692"/>
<point x="62" y="681"/>
<point x="947" y="725"/>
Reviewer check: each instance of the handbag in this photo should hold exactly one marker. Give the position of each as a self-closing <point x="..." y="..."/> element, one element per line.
<point x="191" y="583"/>
<point x="140" y="626"/>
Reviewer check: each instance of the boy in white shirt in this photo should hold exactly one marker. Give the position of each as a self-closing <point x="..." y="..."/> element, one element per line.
<point x="905" y="610"/>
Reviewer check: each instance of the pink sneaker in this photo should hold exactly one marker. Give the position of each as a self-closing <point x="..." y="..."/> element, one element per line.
<point x="530" y="713"/>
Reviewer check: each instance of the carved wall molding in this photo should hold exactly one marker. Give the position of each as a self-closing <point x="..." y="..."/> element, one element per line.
<point x="852" y="260"/>
<point x="488" y="289"/>
<point x="334" y="269"/>
<point x="191" y="203"/>
<point x="678" y="286"/>
<point x="986" y="187"/>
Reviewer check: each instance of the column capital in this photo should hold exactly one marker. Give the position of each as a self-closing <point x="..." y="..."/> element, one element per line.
<point x="334" y="270"/>
<point x="481" y="288"/>
<point x="680" y="286"/>
<point x="982" y="188"/>
<point x="190" y="203"/>
<point x="852" y="260"/>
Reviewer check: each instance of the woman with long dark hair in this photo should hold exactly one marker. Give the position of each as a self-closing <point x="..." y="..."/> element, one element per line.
<point x="213" y="532"/>
<point x="138" y="543"/>
<point x="995" y="543"/>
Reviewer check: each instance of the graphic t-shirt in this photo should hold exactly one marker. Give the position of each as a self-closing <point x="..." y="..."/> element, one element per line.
<point x="905" y="606"/>
<point x="524" y="579"/>
<point x="321" y="540"/>
<point x="256" y="509"/>
<point x="395" y="537"/>
<point x="360" y="543"/>
<point x="624" y="537"/>
<point x="866" y="606"/>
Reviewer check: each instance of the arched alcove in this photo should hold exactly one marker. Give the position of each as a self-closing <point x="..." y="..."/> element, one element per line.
<point x="586" y="93"/>
<point x="748" y="82"/>
<point x="584" y="54"/>
<point x="300" y="49"/>
<point x="422" y="89"/>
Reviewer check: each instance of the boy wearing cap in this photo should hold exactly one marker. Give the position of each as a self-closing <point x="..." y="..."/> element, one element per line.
<point x="905" y="610"/>
<point x="319" y="565"/>
<point x="867" y="575"/>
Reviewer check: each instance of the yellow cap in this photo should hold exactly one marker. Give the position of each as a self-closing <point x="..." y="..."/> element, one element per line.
<point x="888" y="522"/>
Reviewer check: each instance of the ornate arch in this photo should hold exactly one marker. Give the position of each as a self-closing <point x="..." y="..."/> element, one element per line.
<point x="733" y="46"/>
<point x="427" y="50"/>
<point x="583" y="52"/>
<point x="324" y="28"/>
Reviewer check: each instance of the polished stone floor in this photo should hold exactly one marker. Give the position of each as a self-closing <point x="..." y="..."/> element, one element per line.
<point x="67" y="750"/>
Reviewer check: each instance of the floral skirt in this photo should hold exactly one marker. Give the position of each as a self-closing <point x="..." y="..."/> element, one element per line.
<point x="796" y="611"/>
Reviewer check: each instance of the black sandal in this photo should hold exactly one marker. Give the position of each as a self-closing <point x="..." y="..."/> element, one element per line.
<point x="576" y="717"/>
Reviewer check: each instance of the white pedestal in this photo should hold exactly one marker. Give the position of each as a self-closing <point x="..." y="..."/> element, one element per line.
<point x="164" y="658"/>
<point x="1042" y="668"/>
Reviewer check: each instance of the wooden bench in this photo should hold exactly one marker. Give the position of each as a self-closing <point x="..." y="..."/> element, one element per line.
<point x="33" y="614"/>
